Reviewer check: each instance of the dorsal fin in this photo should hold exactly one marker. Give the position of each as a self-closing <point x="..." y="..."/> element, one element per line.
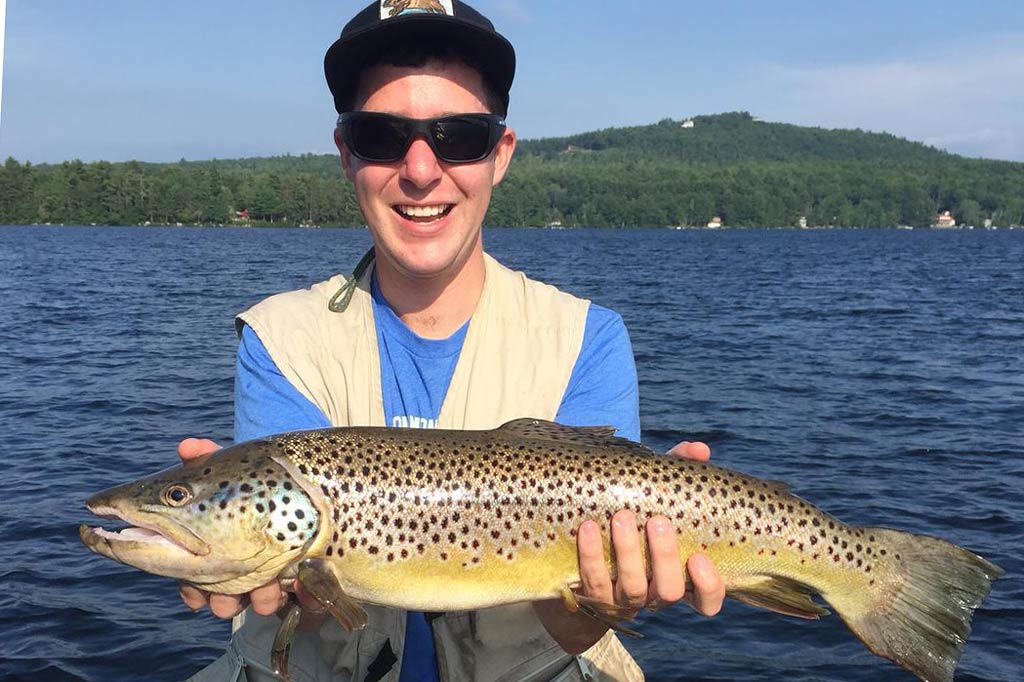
<point x="593" y="436"/>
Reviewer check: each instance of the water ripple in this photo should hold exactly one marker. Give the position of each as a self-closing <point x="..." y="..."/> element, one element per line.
<point x="879" y="372"/>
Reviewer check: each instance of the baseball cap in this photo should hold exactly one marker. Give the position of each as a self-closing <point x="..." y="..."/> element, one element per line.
<point x="389" y="22"/>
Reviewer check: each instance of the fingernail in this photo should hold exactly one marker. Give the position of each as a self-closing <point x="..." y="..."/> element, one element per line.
<point x="661" y="526"/>
<point x="588" y="530"/>
<point x="624" y="518"/>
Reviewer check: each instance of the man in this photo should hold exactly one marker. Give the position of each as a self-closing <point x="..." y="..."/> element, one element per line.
<point x="437" y="333"/>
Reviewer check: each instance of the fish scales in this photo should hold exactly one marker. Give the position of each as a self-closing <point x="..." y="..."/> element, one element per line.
<point x="483" y="506"/>
<point x="437" y="520"/>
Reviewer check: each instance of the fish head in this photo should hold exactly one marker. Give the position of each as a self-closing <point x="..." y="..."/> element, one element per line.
<point x="227" y="522"/>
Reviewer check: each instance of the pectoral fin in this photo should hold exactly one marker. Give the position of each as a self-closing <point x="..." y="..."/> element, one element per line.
<point x="611" y="615"/>
<point x="318" y="578"/>
<point x="779" y="594"/>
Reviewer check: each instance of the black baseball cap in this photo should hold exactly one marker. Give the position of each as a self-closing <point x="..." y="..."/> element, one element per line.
<point x="387" y="22"/>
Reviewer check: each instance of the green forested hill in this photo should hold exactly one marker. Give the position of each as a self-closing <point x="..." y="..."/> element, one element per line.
<point x="735" y="138"/>
<point x="746" y="171"/>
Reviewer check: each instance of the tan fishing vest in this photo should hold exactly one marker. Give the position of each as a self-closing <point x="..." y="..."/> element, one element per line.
<point x="519" y="352"/>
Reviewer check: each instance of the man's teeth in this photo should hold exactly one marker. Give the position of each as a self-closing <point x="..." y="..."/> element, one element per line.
<point x="423" y="211"/>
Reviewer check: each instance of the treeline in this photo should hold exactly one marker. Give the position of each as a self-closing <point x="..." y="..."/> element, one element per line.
<point x="747" y="172"/>
<point x="206" y="193"/>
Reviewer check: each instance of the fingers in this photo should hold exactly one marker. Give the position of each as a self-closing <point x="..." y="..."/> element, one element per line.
<point x="267" y="599"/>
<point x="668" y="582"/>
<point x="631" y="571"/>
<point x="193" y="597"/>
<point x="228" y="605"/>
<point x="190" y="448"/>
<point x="633" y="586"/>
<point x="597" y="581"/>
<point x="221" y="605"/>
<point x="708" y="587"/>
<point x="691" y="450"/>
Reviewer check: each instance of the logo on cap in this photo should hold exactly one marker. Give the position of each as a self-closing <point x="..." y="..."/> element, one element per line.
<point x="393" y="8"/>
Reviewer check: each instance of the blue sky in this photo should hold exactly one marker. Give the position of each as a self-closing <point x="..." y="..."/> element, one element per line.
<point x="158" y="81"/>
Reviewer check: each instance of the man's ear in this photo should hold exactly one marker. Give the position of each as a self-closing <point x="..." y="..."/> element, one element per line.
<point x="346" y="155"/>
<point x="503" y="154"/>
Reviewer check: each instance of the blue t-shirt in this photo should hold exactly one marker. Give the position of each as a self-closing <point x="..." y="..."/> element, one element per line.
<point x="415" y="374"/>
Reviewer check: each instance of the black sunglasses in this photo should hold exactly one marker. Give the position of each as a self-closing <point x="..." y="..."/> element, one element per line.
<point x="384" y="138"/>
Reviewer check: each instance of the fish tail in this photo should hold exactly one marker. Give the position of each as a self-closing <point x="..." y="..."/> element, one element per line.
<point x="920" y="618"/>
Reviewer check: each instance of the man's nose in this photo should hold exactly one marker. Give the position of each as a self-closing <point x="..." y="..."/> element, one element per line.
<point x="420" y="165"/>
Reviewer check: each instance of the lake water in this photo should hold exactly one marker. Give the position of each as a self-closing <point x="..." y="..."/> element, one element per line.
<point x="881" y="372"/>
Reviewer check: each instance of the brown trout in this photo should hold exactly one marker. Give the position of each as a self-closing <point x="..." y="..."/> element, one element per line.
<point x="435" y="520"/>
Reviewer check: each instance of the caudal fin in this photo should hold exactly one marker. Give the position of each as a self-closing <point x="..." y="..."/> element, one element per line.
<point x="924" y="620"/>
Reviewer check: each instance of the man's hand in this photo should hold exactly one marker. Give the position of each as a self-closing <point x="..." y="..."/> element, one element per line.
<point x="266" y="599"/>
<point x="577" y="632"/>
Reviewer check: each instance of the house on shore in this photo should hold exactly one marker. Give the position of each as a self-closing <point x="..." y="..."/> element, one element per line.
<point x="944" y="220"/>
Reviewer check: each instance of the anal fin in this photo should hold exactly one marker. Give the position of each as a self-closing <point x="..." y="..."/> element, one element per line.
<point x="779" y="594"/>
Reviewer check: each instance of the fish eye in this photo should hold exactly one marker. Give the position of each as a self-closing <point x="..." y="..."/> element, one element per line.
<point x="176" y="495"/>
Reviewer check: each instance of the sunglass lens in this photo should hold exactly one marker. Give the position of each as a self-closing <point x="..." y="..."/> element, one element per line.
<point x="379" y="138"/>
<point x="461" y="139"/>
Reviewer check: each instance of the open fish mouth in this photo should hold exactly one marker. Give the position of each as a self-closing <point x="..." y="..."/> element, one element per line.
<point x="140" y="534"/>
<point x="133" y="534"/>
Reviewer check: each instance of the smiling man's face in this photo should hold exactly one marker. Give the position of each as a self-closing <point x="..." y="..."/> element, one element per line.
<point x="425" y="214"/>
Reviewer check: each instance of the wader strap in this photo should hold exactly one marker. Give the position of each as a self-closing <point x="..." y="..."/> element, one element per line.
<point x="382" y="664"/>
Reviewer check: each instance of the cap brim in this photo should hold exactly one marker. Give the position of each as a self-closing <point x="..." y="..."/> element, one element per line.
<point x="491" y="53"/>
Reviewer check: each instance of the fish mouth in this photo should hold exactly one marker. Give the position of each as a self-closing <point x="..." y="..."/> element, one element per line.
<point x="145" y="530"/>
